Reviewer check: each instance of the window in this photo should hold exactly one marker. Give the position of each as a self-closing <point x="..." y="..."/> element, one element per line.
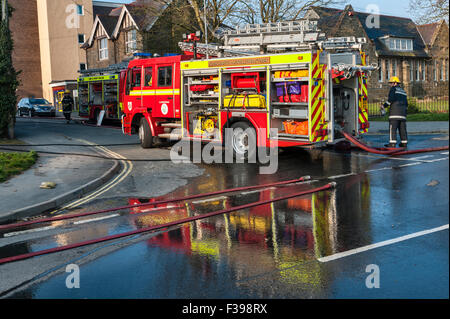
<point x="409" y="45"/>
<point x="424" y="71"/>
<point x="82" y="66"/>
<point x="103" y="49"/>
<point x="397" y="44"/>
<point x="411" y="70"/>
<point x="380" y="71"/>
<point x="442" y="71"/>
<point x="403" y="44"/>
<point x="417" y="71"/>
<point x="446" y="70"/>
<point x="394" y="67"/>
<point x="435" y="70"/>
<point x="80" y="9"/>
<point x="131" y="41"/>
<point x="388" y="73"/>
<point x="148" y="76"/>
<point x="165" y="76"/>
<point x="81" y="38"/>
<point x="136" y="77"/>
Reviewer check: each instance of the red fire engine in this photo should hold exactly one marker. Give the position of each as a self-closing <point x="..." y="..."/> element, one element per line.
<point x="304" y="97"/>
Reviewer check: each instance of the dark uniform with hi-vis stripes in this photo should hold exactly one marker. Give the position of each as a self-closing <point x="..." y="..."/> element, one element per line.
<point x="398" y="104"/>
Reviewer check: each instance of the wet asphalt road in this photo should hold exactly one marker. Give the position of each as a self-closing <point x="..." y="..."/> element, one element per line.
<point x="271" y="251"/>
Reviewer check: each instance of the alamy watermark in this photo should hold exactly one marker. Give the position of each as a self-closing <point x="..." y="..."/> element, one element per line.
<point x="241" y="145"/>
<point x="373" y="280"/>
<point x="73" y="279"/>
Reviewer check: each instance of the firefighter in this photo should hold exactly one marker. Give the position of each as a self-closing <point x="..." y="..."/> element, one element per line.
<point x="67" y="105"/>
<point x="398" y="104"/>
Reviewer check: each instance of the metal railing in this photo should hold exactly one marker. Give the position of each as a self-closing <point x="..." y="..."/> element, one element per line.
<point x="430" y="100"/>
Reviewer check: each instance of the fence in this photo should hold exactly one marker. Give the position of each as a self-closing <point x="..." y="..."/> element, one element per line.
<point x="431" y="100"/>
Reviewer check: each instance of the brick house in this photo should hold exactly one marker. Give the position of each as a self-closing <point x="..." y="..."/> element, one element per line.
<point x="435" y="37"/>
<point x="396" y="45"/>
<point x="116" y="36"/>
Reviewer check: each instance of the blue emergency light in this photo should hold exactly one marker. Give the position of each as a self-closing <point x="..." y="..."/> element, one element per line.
<point x="142" y="55"/>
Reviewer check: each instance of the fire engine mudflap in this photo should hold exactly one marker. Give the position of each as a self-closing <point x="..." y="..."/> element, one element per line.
<point x="302" y="99"/>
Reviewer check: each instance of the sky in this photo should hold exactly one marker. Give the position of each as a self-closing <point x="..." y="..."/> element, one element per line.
<point x="397" y="8"/>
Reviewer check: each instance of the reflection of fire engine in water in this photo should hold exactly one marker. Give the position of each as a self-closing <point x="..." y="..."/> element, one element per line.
<point x="304" y="227"/>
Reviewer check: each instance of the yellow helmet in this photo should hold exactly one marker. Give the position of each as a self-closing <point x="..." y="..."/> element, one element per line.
<point x="394" y="79"/>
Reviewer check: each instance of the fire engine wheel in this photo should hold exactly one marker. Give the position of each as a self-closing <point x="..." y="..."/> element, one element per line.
<point x="243" y="141"/>
<point x="145" y="134"/>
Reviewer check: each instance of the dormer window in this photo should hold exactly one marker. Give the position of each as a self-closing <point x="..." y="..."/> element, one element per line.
<point x="398" y="44"/>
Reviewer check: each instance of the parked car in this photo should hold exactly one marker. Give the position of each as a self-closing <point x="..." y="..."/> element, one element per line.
<point x="32" y="107"/>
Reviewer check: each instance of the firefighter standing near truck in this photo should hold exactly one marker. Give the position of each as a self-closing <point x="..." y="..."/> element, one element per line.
<point x="67" y="105"/>
<point x="398" y="105"/>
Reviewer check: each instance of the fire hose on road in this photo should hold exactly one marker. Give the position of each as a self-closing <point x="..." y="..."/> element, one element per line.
<point x="163" y="226"/>
<point x="390" y="151"/>
<point x="179" y="199"/>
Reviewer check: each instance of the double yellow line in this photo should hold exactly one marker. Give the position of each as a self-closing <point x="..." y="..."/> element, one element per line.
<point x="126" y="170"/>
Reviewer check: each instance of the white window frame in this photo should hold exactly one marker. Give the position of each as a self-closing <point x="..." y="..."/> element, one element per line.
<point x="131" y="45"/>
<point x="411" y="70"/>
<point x="394" y="67"/>
<point x="424" y="71"/>
<point x="417" y="70"/>
<point x="388" y="71"/>
<point x="103" y="53"/>
<point x="82" y="9"/>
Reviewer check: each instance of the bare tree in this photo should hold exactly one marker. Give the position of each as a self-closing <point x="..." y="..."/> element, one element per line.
<point x="427" y="11"/>
<point x="218" y="12"/>
<point x="266" y="11"/>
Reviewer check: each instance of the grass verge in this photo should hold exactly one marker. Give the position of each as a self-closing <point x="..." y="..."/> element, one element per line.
<point x="15" y="163"/>
<point x="418" y="117"/>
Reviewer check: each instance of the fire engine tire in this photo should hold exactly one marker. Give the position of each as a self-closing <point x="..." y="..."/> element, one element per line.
<point x="145" y="134"/>
<point x="242" y="142"/>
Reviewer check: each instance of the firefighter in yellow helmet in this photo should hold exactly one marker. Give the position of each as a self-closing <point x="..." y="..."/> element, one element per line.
<point x="398" y="104"/>
<point x="67" y="105"/>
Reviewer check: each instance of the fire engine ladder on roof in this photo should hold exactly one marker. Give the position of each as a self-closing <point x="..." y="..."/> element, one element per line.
<point x="254" y="39"/>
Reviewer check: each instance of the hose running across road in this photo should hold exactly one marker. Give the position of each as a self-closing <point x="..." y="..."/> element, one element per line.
<point x="163" y="226"/>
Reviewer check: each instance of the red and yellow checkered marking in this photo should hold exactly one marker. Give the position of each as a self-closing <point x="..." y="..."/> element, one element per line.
<point x="363" y="116"/>
<point x="317" y="103"/>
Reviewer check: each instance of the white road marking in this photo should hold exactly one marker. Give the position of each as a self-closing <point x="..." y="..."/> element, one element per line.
<point x="378" y="169"/>
<point x="437" y="160"/>
<point x="381" y="244"/>
<point x="420" y="157"/>
<point x="35" y="230"/>
<point x="343" y="175"/>
<point x="95" y="219"/>
<point x="410" y="164"/>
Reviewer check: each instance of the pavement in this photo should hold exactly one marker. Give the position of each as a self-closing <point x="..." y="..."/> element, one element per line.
<point x="426" y="127"/>
<point x="75" y="176"/>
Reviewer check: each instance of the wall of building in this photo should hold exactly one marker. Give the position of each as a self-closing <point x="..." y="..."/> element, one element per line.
<point x="26" y="55"/>
<point x="93" y="61"/>
<point x="58" y="36"/>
